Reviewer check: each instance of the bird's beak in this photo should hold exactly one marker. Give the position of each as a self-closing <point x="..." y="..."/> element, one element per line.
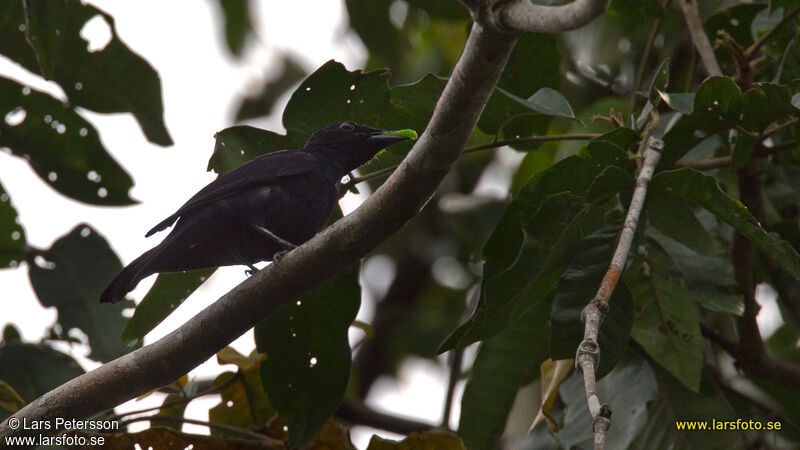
<point x="387" y="138"/>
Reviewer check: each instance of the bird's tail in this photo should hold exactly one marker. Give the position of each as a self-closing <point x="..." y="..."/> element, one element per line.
<point x="129" y="277"/>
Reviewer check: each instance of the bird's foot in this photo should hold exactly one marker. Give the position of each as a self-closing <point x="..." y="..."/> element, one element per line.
<point x="251" y="271"/>
<point x="277" y="256"/>
<point x="286" y="245"/>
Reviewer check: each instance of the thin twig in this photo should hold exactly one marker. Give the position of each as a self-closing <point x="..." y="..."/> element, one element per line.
<point x="588" y="354"/>
<point x="648" y="47"/>
<point x="708" y="163"/>
<point x="218" y="426"/>
<point x="212" y="390"/>
<point x="490" y="145"/>
<point x="699" y="37"/>
<point x="455" y="375"/>
<point x="356" y="412"/>
<point x="763" y="39"/>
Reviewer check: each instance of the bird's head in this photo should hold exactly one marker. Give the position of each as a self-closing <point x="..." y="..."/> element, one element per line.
<point x="351" y="145"/>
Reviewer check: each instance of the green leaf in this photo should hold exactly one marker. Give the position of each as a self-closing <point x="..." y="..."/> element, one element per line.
<point x="12" y="237"/>
<point x="44" y="26"/>
<point x="735" y="21"/>
<point x="308" y="354"/>
<point x="537" y="234"/>
<point x="505" y="362"/>
<point x="111" y="80"/>
<point x="683" y="103"/>
<point x="667" y="323"/>
<point x="672" y="215"/>
<point x="370" y="20"/>
<point x="63" y="148"/>
<point x="70" y="276"/>
<point x="720" y="95"/>
<point x="237" y="145"/>
<point x="168" y="292"/>
<point x="765" y="103"/>
<point x="333" y="94"/>
<point x="703" y="190"/>
<point x="523" y="78"/>
<point x="237" y="24"/>
<point x="743" y="150"/>
<point x="34" y="369"/>
<point x="660" y="81"/>
<point x="577" y="286"/>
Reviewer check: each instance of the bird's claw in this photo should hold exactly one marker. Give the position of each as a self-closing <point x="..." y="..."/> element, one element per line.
<point x="251" y="271"/>
<point x="277" y="256"/>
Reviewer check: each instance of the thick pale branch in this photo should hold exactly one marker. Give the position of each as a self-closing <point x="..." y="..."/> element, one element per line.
<point x="523" y="15"/>
<point x="340" y="245"/>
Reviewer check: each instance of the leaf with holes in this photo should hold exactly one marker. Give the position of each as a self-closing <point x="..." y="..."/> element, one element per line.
<point x="308" y="354"/>
<point x="109" y="80"/>
<point x="70" y="276"/>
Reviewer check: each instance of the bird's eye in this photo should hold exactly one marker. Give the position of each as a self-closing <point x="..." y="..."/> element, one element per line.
<point x="347" y="126"/>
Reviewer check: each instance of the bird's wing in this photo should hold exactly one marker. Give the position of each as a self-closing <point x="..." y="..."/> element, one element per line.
<point x="260" y="171"/>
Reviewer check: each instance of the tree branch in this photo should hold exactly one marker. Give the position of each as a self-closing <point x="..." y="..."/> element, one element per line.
<point x="699" y="38"/>
<point x="345" y="242"/>
<point x="356" y="412"/>
<point x="522" y="15"/>
<point x="588" y="355"/>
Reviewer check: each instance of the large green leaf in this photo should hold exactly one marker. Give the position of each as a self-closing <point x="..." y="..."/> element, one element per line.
<point x="576" y="288"/>
<point x="308" y="354"/>
<point x="667" y="323"/>
<point x="703" y="190"/>
<point x="63" y="148"/>
<point x="505" y="362"/>
<point x="114" y="79"/>
<point x="70" y="276"/>
<point x="12" y="235"/>
<point x="167" y="293"/>
<point x="332" y="94"/>
<point x="538" y="233"/>
<point x="507" y="115"/>
<point x="34" y="369"/>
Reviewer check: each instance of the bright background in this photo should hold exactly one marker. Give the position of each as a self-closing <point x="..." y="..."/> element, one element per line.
<point x="202" y="84"/>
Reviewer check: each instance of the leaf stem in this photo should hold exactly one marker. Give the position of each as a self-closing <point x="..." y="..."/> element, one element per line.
<point x="490" y="145"/>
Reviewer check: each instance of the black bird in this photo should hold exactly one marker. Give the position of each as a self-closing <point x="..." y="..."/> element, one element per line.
<point x="264" y="207"/>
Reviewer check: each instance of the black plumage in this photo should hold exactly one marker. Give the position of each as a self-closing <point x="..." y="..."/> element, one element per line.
<point x="260" y="209"/>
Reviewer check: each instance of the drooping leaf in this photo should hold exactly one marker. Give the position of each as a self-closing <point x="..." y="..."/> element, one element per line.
<point x="673" y="216"/>
<point x="505" y="362"/>
<point x="12" y="235"/>
<point x="167" y="293"/>
<point x="70" y="276"/>
<point x="540" y="229"/>
<point x="63" y="148"/>
<point x="112" y="79"/>
<point x="34" y="369"/>
<point x="308" y="354"/>
<point x="703" y="190"/>
<point x="667" y="323"/>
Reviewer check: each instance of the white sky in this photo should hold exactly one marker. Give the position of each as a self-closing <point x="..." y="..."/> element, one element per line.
<point x="201" y="86"/>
